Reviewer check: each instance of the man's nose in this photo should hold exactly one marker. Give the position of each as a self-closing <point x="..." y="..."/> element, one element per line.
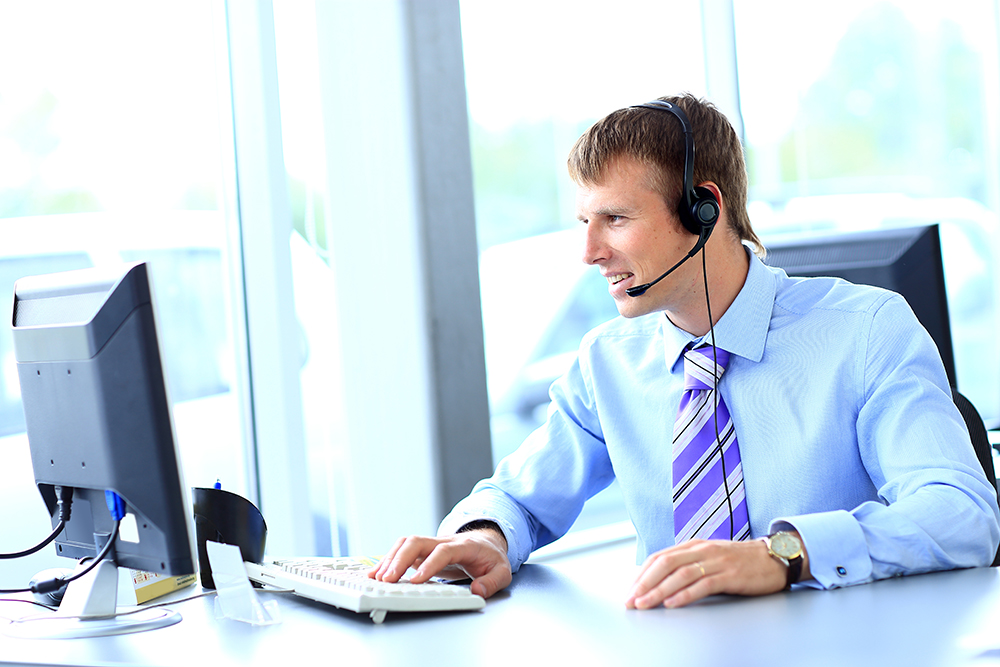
<point x="593" y="247"/>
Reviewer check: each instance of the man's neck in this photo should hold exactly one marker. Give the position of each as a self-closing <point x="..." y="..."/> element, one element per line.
<point x="728" y="265"/>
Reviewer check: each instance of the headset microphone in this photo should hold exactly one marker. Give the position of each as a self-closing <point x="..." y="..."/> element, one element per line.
<point x="639" y="290"/>
<point x="699" y="210"/>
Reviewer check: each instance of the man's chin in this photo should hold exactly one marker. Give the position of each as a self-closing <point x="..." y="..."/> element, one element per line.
<point x="629" y="309"/>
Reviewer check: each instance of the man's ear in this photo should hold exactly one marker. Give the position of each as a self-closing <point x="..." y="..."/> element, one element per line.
<point x="716" y="192"/>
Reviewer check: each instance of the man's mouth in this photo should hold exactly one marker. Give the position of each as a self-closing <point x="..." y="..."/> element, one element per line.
<point x="618" y="277"/>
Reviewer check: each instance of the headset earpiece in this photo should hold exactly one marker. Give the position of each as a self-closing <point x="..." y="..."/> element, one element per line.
<point x="702" y="214"/>
<point x="705" y="210"/>
<point x="699" y="209"/>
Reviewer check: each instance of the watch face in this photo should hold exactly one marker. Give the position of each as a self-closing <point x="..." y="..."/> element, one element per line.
<point x="785" y="545"/>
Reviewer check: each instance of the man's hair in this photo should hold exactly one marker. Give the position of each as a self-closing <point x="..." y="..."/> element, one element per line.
<point x="654" y="137"/>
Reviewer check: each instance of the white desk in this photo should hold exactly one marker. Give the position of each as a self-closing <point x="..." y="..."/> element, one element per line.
<point x="570" y="611"/>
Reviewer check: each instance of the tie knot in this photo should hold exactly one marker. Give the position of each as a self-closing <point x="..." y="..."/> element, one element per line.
<point x="702" y="368"/>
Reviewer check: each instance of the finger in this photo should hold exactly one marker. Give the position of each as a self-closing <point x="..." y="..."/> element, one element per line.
<point x="659" y="565"/>
<point x="679" y="579"/>
<point x="701" y="588"/>
<point x="379" y="570"/>
<point x="441" y="557"/>
<point x="387" y="560"/>
<point x="653" y="572"/>
<point x="411" y="552"/>
<point x="498" y="578"/>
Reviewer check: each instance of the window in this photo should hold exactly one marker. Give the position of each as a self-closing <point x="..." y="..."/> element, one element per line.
<point x="530" y="98"/>
<point x="112" y="153"/>
<point x="886" y="116"/>
<point x="302" y="134"/>
<point x="865" y="115"/>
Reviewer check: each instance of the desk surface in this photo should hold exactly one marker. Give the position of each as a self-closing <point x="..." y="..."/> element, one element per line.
<point x="570" y="611"/>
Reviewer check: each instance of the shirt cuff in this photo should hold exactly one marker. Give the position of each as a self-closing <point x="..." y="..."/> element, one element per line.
<point x="835" y="545"/>
<point x="504" y="514"/>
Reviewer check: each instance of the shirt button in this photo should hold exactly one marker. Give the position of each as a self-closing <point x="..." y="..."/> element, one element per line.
<point x="841" y="570"/>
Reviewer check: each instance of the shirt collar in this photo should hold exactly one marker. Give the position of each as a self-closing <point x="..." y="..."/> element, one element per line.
<point x="743" y="329"/>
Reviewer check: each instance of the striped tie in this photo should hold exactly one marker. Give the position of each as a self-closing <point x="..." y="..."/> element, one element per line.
<point x="701" y="507"/>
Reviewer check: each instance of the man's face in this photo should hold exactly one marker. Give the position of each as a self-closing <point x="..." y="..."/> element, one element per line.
<point x="632" y="238"/>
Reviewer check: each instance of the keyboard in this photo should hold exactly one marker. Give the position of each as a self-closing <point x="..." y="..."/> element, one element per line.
<point x="344" y="583"/>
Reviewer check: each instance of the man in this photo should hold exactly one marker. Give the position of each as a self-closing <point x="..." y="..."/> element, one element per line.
<point x="849" y="457"/>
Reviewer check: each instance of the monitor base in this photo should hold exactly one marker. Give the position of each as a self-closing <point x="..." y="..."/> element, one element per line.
<point x="61" y="627"/>
<point x="89" y="609"/>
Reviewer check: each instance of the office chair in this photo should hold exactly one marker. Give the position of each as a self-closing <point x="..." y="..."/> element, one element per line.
<point x="980" y="441"/>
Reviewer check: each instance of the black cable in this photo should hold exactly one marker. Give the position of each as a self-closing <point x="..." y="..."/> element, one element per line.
<point x="64" y="499"/>
<point x="50" y="585"/>
<point x="10" y="591"/>
<point x="715" y="396"/>
<point x="97" y="559"/>
<point x="38" y="547"/>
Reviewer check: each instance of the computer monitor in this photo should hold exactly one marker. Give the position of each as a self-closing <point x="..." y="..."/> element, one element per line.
<point x="905" y="260"/>
<point x="98" y="418"/>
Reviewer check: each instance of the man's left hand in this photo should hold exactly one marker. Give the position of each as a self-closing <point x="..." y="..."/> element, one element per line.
<point x="682" y="574"/>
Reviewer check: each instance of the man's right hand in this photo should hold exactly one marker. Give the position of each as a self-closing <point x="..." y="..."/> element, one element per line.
<point x="480" y="554"/>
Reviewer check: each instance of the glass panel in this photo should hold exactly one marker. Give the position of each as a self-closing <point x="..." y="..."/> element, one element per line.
<point x="534" y="86"/>
<point x="886" y="116"/>
<point x="302" y="144"/>
<point x="110" y="136"/>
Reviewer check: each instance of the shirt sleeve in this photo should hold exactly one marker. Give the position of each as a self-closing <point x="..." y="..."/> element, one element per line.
<point x="489" y="503"/>
<point x="538" y="491"/>
<point x="936" y="509"/>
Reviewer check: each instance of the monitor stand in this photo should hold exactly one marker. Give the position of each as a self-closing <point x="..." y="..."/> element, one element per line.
<point x="88" y="610"/>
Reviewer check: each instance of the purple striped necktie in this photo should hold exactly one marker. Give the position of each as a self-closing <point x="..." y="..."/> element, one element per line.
<point x="701" y="507"/>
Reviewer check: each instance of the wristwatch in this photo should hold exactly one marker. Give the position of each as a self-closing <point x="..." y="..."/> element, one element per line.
<point x="787" y="548"/>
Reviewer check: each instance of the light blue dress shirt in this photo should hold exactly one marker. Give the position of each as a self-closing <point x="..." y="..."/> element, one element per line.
<point x="846" y="426"/>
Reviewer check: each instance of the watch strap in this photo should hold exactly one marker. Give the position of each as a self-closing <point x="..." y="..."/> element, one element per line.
<point x="794" y="571"/>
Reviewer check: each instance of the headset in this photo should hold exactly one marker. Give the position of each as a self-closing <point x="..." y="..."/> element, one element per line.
<point x="698" y="209"/>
